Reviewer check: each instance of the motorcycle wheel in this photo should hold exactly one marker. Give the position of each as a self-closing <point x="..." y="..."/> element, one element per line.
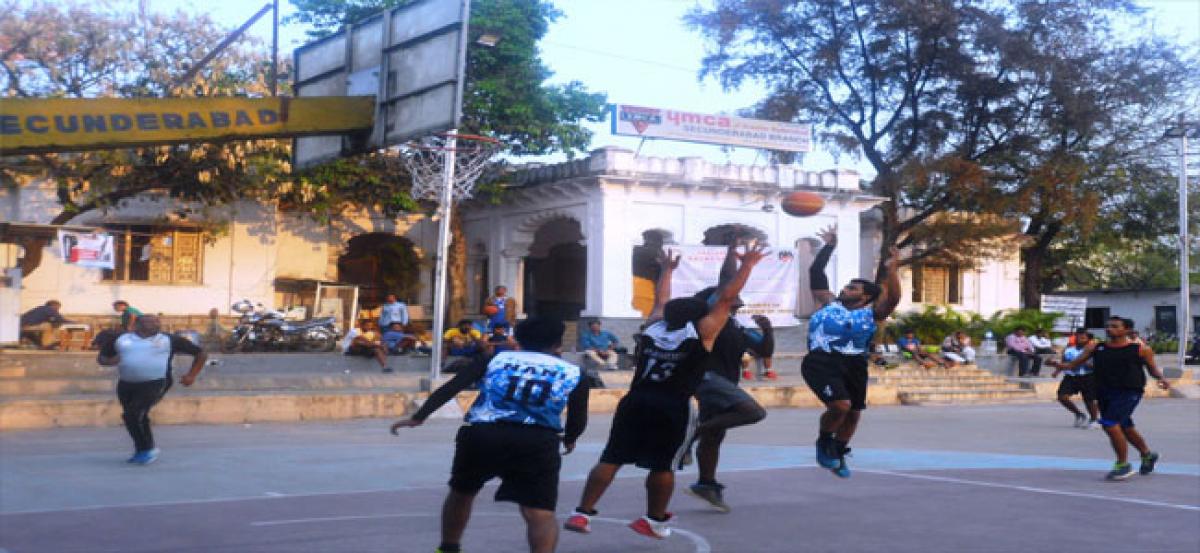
<point x="230" y="345"/>
<point x="315" y="344"/>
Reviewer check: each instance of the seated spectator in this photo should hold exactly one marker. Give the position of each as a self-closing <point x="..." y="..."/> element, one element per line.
<point x="461" y="344"/>
<point x="1041" y="343"/>
<point x="956" y="349"/>
<point x="41" y="324"/>
<point x="393" y="311"/>
<point x="128" y="313"/>
<point x="214" y="333"/>
<point x="499" y="340"/>
<point x="366" y="343"/>
<point x="397" y="339"/>
<point x="910" y="348"/>
<point x="1019" y="347"/>
<point x="600" y="346"/>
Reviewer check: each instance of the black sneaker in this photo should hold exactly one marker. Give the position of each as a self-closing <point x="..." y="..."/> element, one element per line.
<point x="1148" y="461"/>
<point x="1120" y="472"/>
<point x="710" y="493"/>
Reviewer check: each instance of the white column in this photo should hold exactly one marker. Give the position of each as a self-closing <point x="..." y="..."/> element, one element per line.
<point x="616" y="253"/>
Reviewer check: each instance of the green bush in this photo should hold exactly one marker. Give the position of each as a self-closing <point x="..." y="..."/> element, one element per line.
<point x="935" y="322"/>
<point x="1163" y="345"/>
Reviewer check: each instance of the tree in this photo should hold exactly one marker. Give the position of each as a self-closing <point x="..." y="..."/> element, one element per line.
<point x="505" y="95"/>
<point x="943" y="98"/>
<point x="78" y="51"/>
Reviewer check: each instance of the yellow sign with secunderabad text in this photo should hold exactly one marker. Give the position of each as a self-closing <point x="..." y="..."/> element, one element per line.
<point x="34" y="125"/>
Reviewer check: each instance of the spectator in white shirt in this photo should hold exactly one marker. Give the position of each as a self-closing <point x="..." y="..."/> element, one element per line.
<point x="393" y="311"/>
<point x="1041" y="343"/>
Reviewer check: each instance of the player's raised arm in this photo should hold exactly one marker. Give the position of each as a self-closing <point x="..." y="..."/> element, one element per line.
<point x="817" y="281"/>
<point x="668" y="261"/>
<point x="889" y="298"/>
<point x="718" y="314"/>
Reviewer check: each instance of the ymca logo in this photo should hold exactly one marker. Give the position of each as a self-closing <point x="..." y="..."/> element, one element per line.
<point x="641" y="118"/>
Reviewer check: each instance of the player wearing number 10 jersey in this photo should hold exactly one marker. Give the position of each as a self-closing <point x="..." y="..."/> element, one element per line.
<point x="512" y="431"/>
<point x="651" y="423"/>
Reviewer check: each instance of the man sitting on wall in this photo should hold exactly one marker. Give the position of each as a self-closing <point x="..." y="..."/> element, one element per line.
<point x="366" y="343"/>
<point x="43" y="321"/>
<point x="461" y="344"/>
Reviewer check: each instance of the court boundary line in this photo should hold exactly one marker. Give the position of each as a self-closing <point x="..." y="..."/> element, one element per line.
<point x="1031" y="489"/>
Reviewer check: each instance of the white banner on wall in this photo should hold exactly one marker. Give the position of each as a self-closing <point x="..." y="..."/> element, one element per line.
<point x="91" y="250"/>
<point x="1073" y="309"/>
<point x="771" y="290"/>
<point x="649" y="122"/>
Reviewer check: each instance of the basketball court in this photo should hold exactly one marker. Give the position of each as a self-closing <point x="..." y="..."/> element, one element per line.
<point x="981" y="478"/>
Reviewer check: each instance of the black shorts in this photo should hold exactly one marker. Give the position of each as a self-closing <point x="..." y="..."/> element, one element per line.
<point x="360" y="351"/>
<point x="649" y="430"/>
<point x="833" y="377"/>
<point x="1084" y="385"/>
<point x="1117" y="405"/>
<point x="524" y="457"/>
<point x="716" y="395"/>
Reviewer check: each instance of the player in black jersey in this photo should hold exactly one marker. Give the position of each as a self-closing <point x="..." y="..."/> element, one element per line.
<point x="650" y="425"/>
<point x="1120" y="384"/>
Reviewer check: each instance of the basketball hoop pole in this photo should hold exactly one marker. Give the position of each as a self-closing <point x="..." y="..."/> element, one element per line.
<point x="445" y="208"/>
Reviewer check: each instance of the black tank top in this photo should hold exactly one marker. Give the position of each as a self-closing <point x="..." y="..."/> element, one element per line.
<point x="1119" y="368"/>
<point x="669" y="361"/>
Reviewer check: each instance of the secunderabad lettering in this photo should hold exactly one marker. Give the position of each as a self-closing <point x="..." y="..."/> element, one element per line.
<point x="123" y="122"/>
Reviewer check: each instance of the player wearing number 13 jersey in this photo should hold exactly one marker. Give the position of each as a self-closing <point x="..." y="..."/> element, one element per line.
<point x="651" y="423"/>
<point x="512" y="431"/>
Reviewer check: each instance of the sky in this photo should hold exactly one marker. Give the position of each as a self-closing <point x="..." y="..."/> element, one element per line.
<point x="640" y="52"/>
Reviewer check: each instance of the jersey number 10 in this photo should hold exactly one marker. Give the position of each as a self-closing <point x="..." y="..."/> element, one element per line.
<point x="534" y="392"/>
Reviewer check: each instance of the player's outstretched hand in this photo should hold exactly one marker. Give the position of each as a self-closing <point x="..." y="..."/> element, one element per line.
<point x="187" y="379"/>
<point x="668" y="259"/>
<point x="1162" y="383"/>
<point x="568" y="447"/>
<point x="405" y="423"/>
<point x="754" y="254"/>
<point x="829" y="235"/>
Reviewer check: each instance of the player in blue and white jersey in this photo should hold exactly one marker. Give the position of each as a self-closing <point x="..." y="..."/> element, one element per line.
<point x="512" y="431"/>
<point x="1080" y="380"/>
<point x="839" y="337"/>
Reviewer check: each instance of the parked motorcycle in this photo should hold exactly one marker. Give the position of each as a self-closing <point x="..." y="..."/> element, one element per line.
<point x="261" y="329"/>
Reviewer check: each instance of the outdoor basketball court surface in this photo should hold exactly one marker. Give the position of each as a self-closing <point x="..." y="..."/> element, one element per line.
<point x="981" y="478"/>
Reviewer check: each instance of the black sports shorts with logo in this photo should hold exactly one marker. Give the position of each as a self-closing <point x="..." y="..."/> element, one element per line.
<point x="648" y="430"/>
<point x="833" y="376"/>
<point x="1084" y="385"/>
<point x="523" y="456"/>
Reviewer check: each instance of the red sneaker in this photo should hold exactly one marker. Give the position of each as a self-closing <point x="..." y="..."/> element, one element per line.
<point x="579" y="522"/>
<point x="747" y="375"/>
<point x="651" y="528"/>
<point x="770" y="375"/>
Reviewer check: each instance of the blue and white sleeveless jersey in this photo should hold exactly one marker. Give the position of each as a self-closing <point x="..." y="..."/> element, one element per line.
<point x="525" y="387"/>
<point x="1072" y="353"/>
<point x="835" y="329"/>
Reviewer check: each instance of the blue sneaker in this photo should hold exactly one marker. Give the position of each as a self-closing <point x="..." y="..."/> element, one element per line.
<point x="145" y="457"/>
<point x="842" y="470"/>
<point x="824" y="454"/>
<point x="133" y="458"/>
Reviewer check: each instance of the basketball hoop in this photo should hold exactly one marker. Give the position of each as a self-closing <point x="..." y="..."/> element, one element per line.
<point x="426" y="162"/>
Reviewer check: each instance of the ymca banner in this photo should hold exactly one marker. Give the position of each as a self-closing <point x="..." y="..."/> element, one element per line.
<point x="647" y="122"/>
<point x="771" y="290"/>
<point x="91" y="250"/>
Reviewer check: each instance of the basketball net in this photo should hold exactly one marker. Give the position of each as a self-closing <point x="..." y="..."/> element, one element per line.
<point x="425" y="160"/>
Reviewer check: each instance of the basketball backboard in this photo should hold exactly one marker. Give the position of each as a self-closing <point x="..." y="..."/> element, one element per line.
<point x="421" y="49"/>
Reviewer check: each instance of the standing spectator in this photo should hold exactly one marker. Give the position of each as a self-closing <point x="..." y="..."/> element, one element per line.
<point x="910" y="348"/>
<point x="1041" y="343"/>
<point x="600" y="346"/>
<point x="129" y="314"/>
<point x="505" y="308"/>
<point x="499" y="341"/>
<point x="461" y="344"/>
<point x="44" y="320"/>
<point x="1019" y="346"/>
<point x="393" y="311"/>
<point x="956" y="349"/>
<point x="366" y="343"/>
<point x="143" y="360"/>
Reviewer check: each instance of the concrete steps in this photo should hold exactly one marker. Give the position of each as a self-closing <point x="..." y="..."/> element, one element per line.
<point x="967" y="384"/>
<point x="968" y="395"/>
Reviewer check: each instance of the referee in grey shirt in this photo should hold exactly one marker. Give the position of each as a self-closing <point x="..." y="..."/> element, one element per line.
<point x="143" y="360"/>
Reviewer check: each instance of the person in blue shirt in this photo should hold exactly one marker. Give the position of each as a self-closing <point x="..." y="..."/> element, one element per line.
<point x="910" y="348"/>
<point x="1080" y="380"/>
<point x="839" y="336"/>
<point x="393" y="311"/>
<point x="397" y="339"/>
<point x="498" y="341"/>
<point x="600" y="346"/>
<point x="513" y="431"/>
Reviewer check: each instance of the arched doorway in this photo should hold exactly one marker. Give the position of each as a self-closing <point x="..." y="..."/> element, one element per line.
<point x="556" y="271"/>
<point x="381" y="263"/>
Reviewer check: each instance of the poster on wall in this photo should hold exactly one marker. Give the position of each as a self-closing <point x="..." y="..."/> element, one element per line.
<point x="1072" y="308"/>
<point x="93" y="250"/>
<point x="771" y="290"/>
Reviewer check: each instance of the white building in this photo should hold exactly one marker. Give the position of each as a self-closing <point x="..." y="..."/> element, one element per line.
<point x="1154" y="310"/>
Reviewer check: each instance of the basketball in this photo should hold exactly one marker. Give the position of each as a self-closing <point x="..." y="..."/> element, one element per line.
<point x="490" y="310"/>
<point x="802" y="204"/>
